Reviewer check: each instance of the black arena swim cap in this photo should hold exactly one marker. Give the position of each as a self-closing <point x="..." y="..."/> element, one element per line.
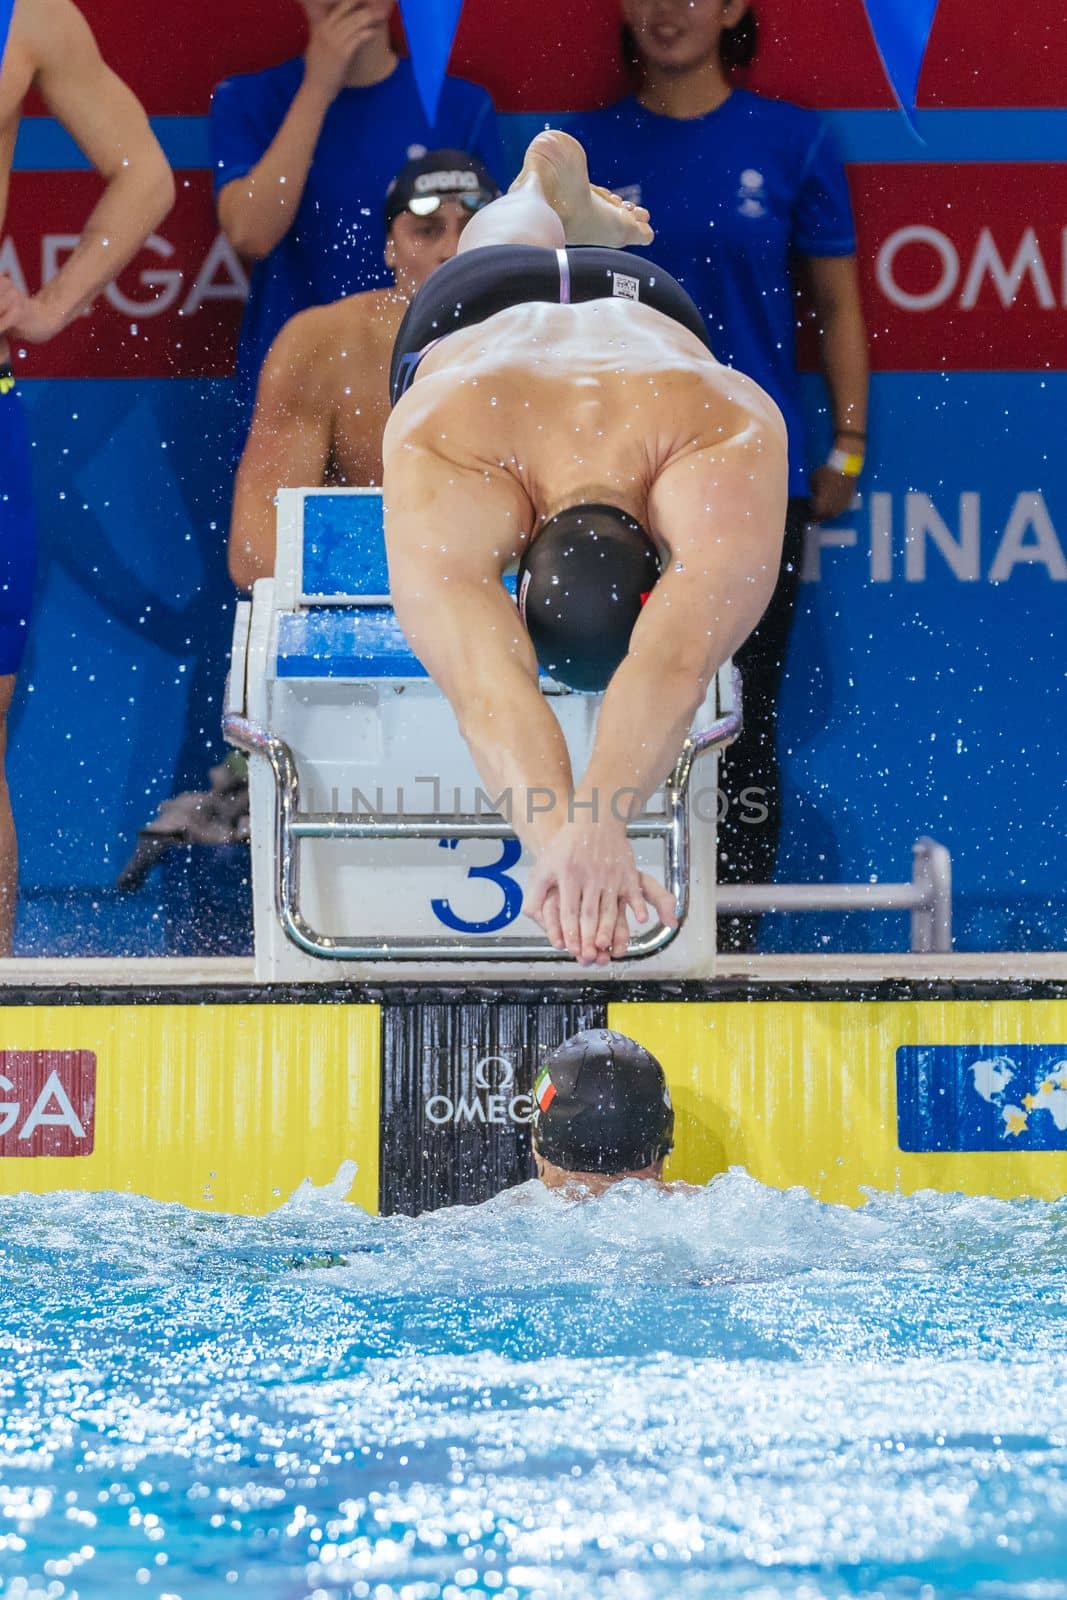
<point x="583" y="579"/>
<point x="601" y="1104"/>
<point x="421" y="185"/>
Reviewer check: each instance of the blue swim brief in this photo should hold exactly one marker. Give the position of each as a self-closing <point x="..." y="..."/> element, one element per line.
<point x="18" y="528"/>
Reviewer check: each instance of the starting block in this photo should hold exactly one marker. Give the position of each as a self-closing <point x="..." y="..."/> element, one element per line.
<point x="373" y="839"/>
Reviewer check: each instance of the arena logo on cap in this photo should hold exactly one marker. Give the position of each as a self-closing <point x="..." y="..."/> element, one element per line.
<point x="493" y="1103"/>
<point x="433" y="182"/>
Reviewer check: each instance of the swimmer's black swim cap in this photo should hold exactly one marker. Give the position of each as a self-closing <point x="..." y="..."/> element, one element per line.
<point x="583" y="579"/>
<point x="421" y="185"/>
<point x="601" y="1104"/>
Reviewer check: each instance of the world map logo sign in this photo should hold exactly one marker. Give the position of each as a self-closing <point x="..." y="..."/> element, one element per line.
<point x="982" y="1097"/>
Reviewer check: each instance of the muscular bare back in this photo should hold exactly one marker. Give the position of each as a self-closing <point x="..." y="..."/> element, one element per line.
<point x="552" y="404"/>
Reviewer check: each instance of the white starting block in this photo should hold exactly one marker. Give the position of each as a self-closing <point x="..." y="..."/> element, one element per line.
<point x="373" y="841"/>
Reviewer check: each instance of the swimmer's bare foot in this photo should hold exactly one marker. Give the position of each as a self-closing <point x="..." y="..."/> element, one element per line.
<point x="589" y="214"/>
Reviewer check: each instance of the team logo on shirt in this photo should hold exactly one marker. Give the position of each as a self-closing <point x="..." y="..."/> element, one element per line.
<point x="752" y="194"/>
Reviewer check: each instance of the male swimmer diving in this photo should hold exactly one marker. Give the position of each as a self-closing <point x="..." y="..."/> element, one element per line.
<point x="561" y="405"/>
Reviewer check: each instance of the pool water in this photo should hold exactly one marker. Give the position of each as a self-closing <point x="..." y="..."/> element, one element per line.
<point x="730" y="1391"/>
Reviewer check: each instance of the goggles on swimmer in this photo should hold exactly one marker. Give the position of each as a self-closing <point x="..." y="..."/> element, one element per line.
<point x="424" y="205"/>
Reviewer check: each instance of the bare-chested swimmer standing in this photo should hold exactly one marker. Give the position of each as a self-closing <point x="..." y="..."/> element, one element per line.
<point x="51" y="48"/>
<point x="541" y="391"/>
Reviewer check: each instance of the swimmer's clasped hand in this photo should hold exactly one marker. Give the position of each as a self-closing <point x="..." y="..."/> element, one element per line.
<point x="584" y="883"/>
<point x="26" y="316"/>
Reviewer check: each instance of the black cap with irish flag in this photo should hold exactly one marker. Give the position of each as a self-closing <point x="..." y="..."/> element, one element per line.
<point x="601" y="1104"/>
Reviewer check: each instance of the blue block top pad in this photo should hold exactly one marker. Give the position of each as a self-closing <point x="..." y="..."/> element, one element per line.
<point x="344" y="555"/>
<point x="356" y="642"/>
<point x="344" y="545"/>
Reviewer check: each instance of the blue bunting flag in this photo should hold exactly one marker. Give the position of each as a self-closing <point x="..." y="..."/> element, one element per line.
<point x="901" y="31"/>
<point x="7" y="8"/>
<point x="430" y="26"/>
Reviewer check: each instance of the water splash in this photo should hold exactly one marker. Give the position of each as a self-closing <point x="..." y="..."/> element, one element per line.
<point x="723" y="1391"/>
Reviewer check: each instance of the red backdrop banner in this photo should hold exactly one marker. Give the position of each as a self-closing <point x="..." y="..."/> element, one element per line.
<point x="964" y="267"/>
<point x="558" y="56"/>
<point x="175" y="310"/>
<point x="961" y="266"/>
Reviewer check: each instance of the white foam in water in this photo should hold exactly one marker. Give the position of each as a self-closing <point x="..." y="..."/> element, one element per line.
<point x="730" y="1391"/>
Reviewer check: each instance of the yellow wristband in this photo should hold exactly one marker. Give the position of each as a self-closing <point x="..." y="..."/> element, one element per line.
<point x="847" y="462"/>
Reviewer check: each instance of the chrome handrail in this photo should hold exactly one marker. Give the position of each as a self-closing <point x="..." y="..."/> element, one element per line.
<point x="291" y="825"/>
<point x="928" y="897"/>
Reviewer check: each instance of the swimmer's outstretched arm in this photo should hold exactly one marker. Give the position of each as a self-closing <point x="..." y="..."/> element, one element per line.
<point x="289" y="442"/>
<point x="449" y="533"/>
<point x="722" y="514"/>
<point x="110" y="128"/>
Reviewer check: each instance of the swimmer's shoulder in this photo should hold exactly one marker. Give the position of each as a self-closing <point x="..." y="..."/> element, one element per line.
<point x="738" y="405"/>
<point x="336" y="332"/>
<point x="328" y="347"/>
<point x="44" y="30"/>
<point x="373" y="317"/>
<point x="27" y="50"/>
<point x="298" y="362"/>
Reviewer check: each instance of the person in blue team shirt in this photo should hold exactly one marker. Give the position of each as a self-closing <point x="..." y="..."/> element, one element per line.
<point x="744" y="189"/>
<point x="302" y="155"/>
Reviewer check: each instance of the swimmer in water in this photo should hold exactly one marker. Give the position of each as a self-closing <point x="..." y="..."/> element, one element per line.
<point x="50" y="48"/>
<point x="323" y="396"/>
<point x="560" y="405"/>
<point x="602" y="1113"/>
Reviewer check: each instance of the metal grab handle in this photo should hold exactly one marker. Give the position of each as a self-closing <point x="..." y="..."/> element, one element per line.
<point x="928" y="897"/>
<point x="291" y="826"/>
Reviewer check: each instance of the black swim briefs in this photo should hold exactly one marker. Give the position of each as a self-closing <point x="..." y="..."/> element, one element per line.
<point x="478" y="283"/>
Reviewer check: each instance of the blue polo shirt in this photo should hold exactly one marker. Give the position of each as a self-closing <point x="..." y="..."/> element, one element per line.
<point x="733" y="195"/>
<point x="337" y="239"/>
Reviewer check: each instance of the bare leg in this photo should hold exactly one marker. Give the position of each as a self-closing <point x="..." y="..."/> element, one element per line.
<point x="522" y="216"/>
<point x="9" y="858"/>
<point x="552" y="204"/>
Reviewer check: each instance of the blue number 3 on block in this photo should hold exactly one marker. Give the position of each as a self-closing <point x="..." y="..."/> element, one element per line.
<point x="496" y="872"/>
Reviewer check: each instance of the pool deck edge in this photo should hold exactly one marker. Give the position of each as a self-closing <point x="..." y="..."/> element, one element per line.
<point x="229" y="980"/>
